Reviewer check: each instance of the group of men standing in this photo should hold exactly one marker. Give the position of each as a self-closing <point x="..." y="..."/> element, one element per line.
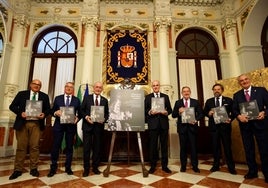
<point x="28" y="131"/>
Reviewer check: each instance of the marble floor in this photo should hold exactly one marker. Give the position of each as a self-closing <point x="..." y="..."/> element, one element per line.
<point x="129" y="175"/>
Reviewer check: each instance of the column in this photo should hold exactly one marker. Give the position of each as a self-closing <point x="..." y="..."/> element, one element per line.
<point x="231" y="42"/>
<point x="11" y="86"/>
<point x="90" y="28"/>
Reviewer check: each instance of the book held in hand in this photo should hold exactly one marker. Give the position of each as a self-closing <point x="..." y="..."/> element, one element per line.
<point x="250" y="109"/>
<point x="188" y="116"/>
<point x="33" y="108"/>
<point x="220" y="115"/>
<point x="97" y="113"/>
<point x="67" y="115"/>
<point x="158" y="104"/>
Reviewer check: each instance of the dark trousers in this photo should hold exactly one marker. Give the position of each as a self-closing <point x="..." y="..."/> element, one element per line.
<point x="188" y="136"/>
<point x="154" y="135"/>
<point x="69" y="130"/>
<point x="222" y="134"/>
<point x="92" y="140"/>
<point x="248" y="132"/>
<point x="28" y="135"/>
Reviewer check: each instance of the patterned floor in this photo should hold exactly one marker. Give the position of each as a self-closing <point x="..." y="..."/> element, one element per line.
<point x="127" y="175"/>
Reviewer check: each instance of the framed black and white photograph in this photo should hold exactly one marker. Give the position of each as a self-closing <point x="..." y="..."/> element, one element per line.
<point x="97" y="113"/>
<point x="188" y="116"/>
<point x="220" y="115"/>
<point x="33" y="108"/>
<point x="126" y="110"/>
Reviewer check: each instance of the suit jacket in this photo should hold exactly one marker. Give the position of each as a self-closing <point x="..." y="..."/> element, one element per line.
<point x="210" y="103"/>
<point x="59" y="101"/>
<point x="181" y="127"/>
<point x="18" y="106"/>
<point x="85" y="110"/>
<point x="259" y="94"/>
<point x="158" y="120"/>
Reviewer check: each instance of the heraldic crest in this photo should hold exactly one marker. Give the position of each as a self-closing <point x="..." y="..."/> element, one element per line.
<point x="127" y="57"/>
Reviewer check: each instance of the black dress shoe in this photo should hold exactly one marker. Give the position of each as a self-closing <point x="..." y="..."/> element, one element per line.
<point x="232" y="171"/>
<point x="69" y="171"/>
<point x="152" y="170"/>
<point x="34" y="172"/>
<point x="15" y="174"/>
<point x="166" y="169"/>
<point x="214" y="169"/>
<point x="195" y="169"/>
<point x="85" y="173"/>
<point x="250" y="176"/>
<point x="96" y="171"/>
<point x="51" y="173"/>
<point x="183" y="169"/>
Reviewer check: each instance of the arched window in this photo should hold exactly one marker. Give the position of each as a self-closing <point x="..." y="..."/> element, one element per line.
<point x="198" y="67"/>
<point x="264" y="42"/>
<point x="53" y="59"/>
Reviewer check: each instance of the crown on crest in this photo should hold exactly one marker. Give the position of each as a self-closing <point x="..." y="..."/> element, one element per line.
<point x="127" y="48"/>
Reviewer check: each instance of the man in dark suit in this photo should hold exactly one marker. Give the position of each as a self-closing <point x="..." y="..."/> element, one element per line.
<point x="93" y="131"/>
<point x="257" y="128"/>
<point x="28" y="129"/>
<point x="220" y="132"/>
<point x="60" y="128"/>
<point x="187" y="131"/>
<point x="158" y="126"/>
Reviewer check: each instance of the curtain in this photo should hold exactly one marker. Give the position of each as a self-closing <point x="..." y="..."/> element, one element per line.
<point x="41" y="64"/>
<point x="65" y="72"/>
<point x="188" y="75"/>
<point x="209" y="76"/>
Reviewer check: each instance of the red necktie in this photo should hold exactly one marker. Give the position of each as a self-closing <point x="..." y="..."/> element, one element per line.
<point x="247" y="95"/>
<point x="186" y="104"/>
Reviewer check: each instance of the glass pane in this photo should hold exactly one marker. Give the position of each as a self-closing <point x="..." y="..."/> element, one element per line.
<point x="65" y="36"/>
<point x="48" y="36"/>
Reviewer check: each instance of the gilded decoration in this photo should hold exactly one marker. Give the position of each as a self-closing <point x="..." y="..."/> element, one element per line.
<point x="213" y="28"/>
<point x="178" y="27"/>
<point x="127" y="57"/>
<point x="74" y="25"/>
<point x="245" y="15"/>
<point x="38" y="25"/>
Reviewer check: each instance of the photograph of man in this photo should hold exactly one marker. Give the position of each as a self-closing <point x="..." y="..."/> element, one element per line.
<point x="187" y="131"/>
<point x="93" y="131"/>
<point x="60" y="128"/>
<point x="221" y="132"/>
<point x="28" y="132"/>
<point x="158" y="126"/>
<point x="252" y="130"/>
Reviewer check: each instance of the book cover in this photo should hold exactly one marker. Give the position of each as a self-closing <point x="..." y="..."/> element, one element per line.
<point x="97" y="113"/>
<point x="158" y="104"/>
<point x="220" y="115"/>
<point x="250" y="109"/>
<point x="188" y="116"/>
<point x="33" y="108"/>
<point x="67" y="115"/>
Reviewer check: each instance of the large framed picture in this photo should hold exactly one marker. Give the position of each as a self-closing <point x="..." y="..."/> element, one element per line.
<point x="188" y="116"/>
<point x="250" y="109"/>
<point x="67" y="115"/>
<point x="33" y="108"/>
<point x="220" y="115"/>
<point x="126" y="110"/>
<point x="97" y="113"/>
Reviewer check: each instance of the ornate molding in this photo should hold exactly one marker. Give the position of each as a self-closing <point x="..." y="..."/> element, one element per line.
<point x="21" y="21"/>
<point x="229" y="25"/>
<point x="167" y="89"/>
<point x="90" y="22"/>
<point x="162" y="22"/>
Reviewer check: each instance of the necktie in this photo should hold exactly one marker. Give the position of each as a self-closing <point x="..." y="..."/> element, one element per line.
<point x="34" y="96"/>
<point x="247" y="95"/>
<point x="68" y="100"/>
<point x="96" y="101"/>
<point x="186" y="104"/>
<point x="157" y="95"/>
<point x="217" y="102"/>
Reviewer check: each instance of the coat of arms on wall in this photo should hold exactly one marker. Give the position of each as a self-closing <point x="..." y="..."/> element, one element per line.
<point x="127" y="57"/>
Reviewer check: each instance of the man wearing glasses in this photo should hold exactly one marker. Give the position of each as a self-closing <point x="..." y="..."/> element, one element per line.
<point x="29" y="127"/>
